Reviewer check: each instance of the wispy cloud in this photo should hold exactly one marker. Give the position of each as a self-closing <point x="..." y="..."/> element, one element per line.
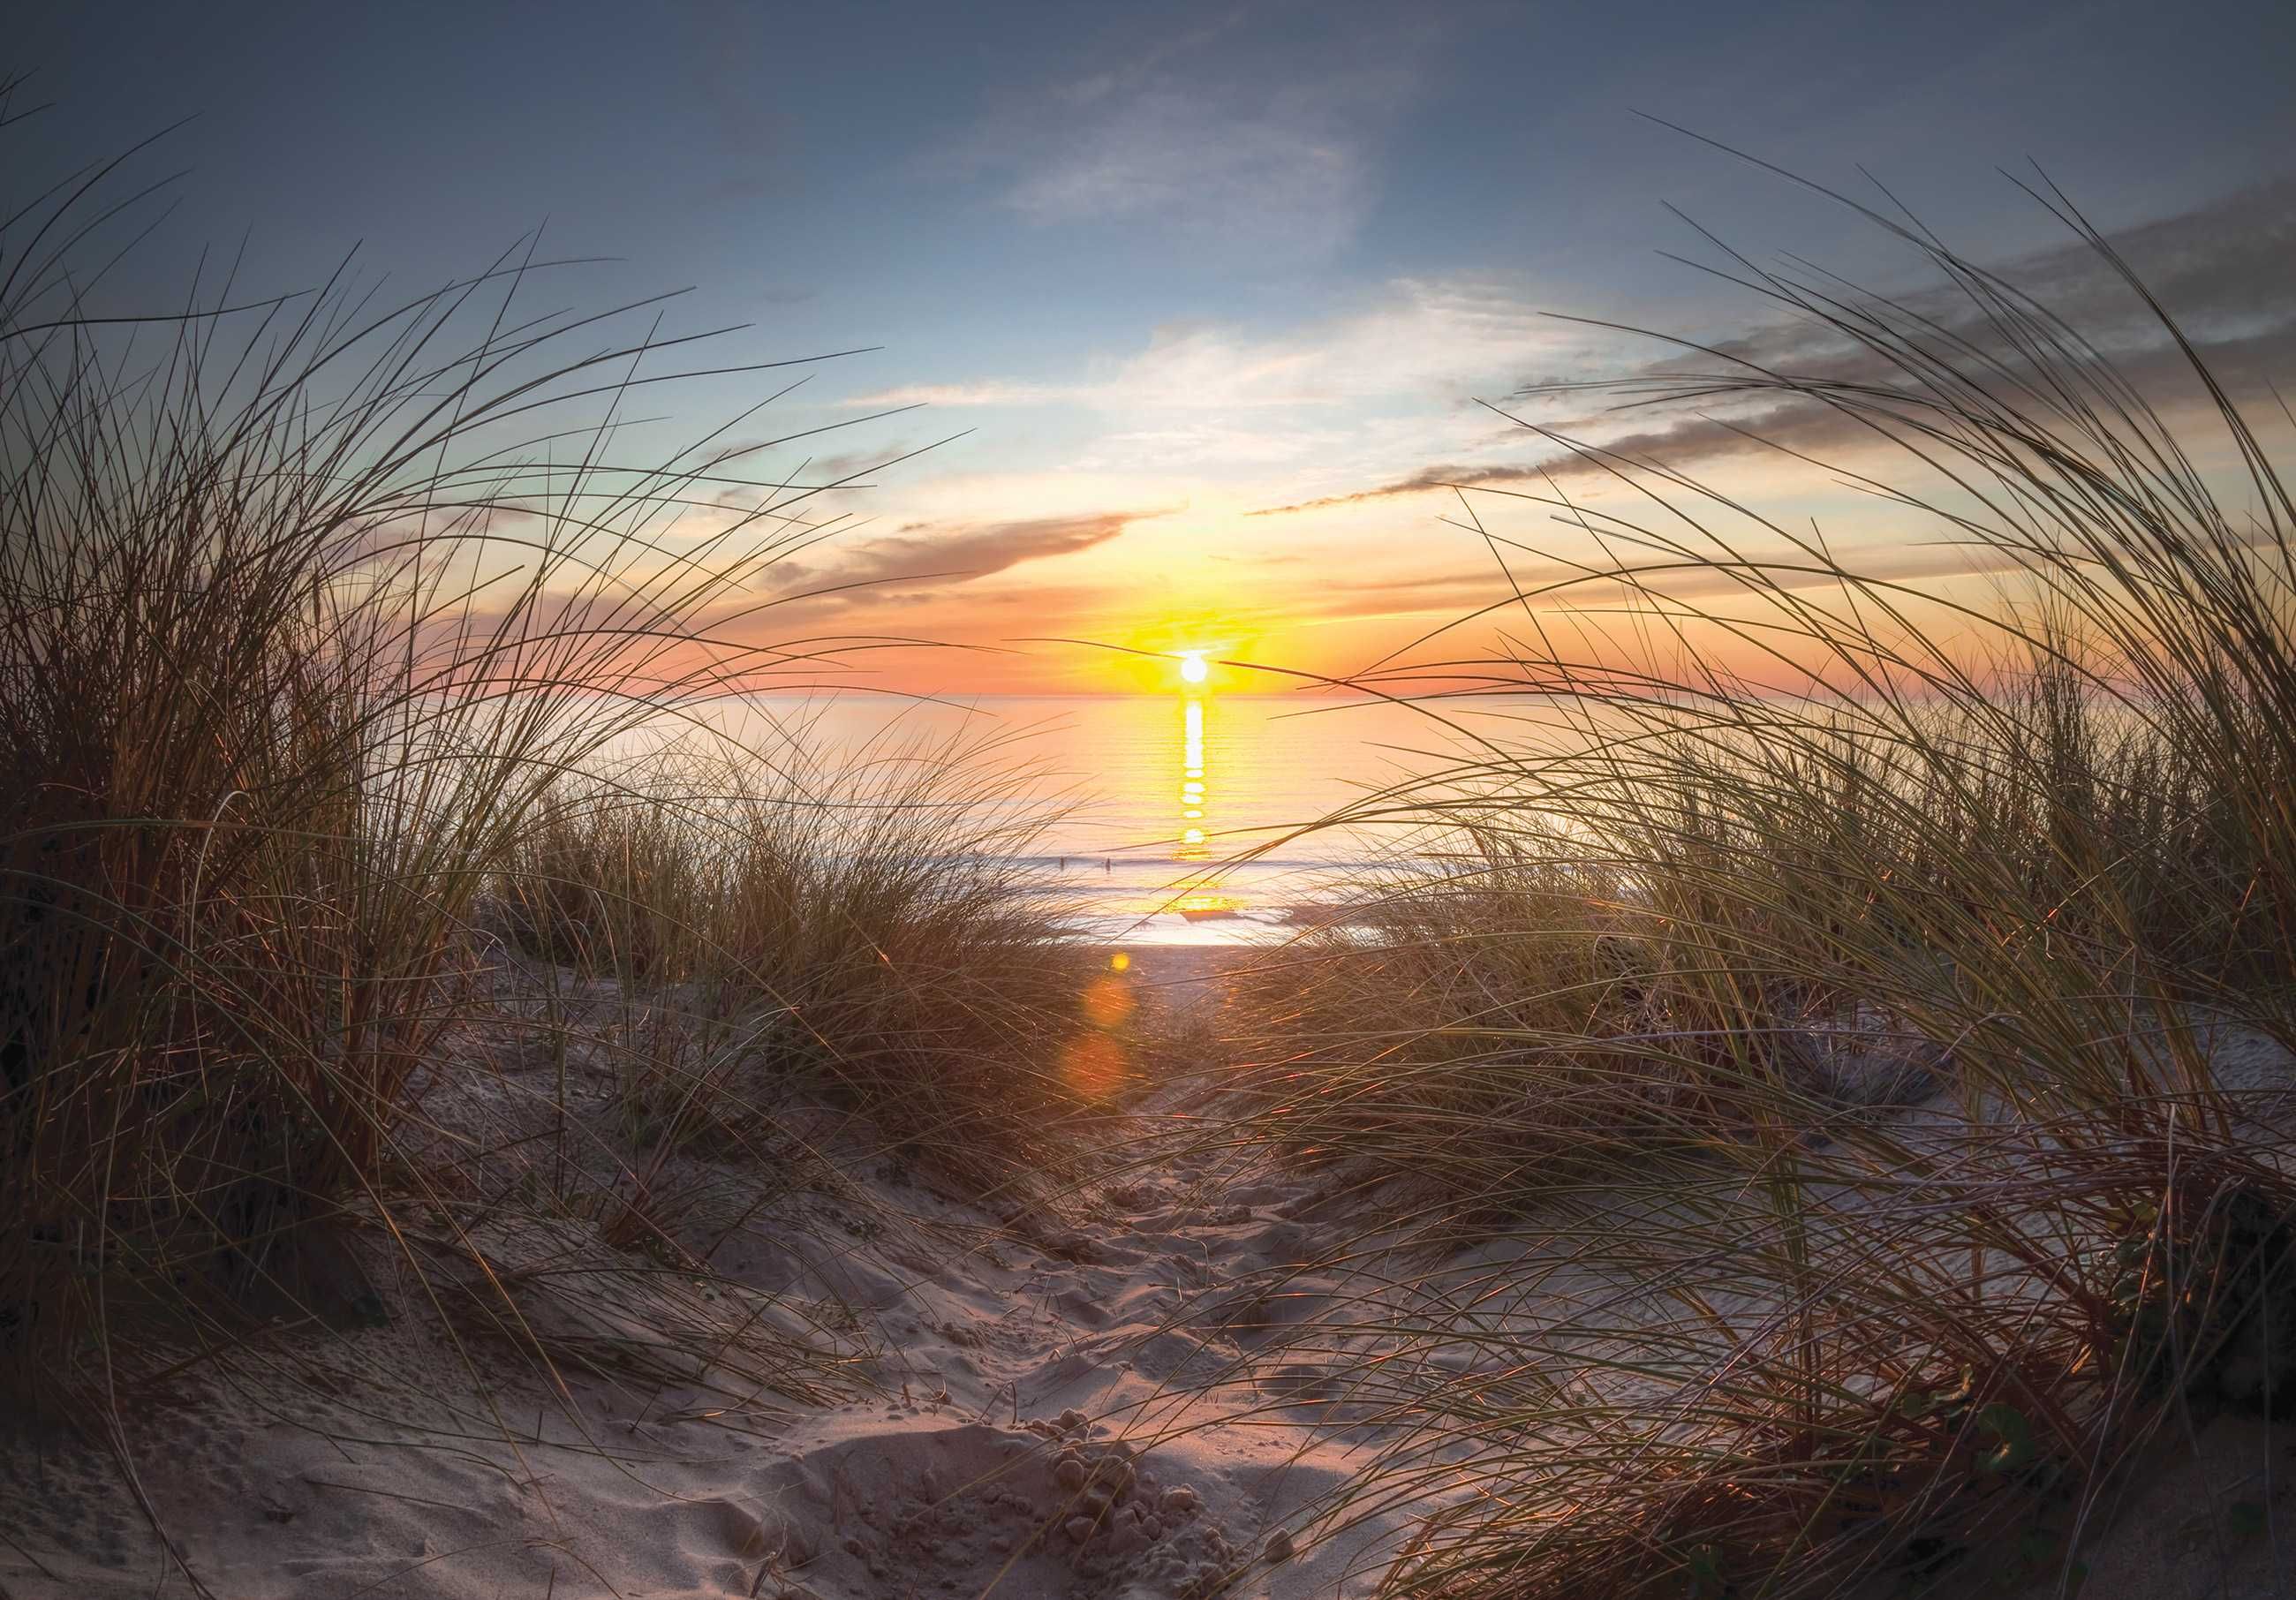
<point x="2222" y="269"/>
<point x="1690" y="441"/>
<point x="991" y="391"/>
<point x="964" y="551"/>
<point x="1293" y="175"/>
<point x="1414" y="339"/>
<point x="1246" y="136"/>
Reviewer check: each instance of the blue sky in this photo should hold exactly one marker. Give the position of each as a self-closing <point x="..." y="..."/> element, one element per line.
<point x="1170" y="264"/>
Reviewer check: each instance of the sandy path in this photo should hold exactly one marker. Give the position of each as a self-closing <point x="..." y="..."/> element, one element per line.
<point x="1080" y="1449"/>
<point x="1062" y="1411"/>
<point x="1048" y="1427"/>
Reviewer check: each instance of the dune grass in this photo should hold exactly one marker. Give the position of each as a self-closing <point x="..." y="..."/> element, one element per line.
<point x="861" y="922"/>
<point x="318" y="618"/>
<point x="1822" y="1055"/>
<point x="1836" y="846"/>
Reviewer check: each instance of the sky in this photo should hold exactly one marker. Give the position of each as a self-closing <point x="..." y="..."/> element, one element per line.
<point x="1186" y="315"/>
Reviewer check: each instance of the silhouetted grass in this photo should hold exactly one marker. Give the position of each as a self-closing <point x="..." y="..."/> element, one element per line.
<point x="859" y="917"/>
<point x="315" y="613"/>
<point x="1824" y="1027"/>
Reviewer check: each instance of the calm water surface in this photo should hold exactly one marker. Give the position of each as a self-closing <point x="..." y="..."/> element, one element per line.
<point x="1182" y="814"/>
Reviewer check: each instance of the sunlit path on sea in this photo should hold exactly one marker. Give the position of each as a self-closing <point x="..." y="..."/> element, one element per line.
<point x="1185" y="816"/>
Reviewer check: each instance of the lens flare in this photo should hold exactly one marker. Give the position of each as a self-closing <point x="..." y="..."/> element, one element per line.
<point x="1107" y="1003"/>
<point x="1094" y="1066"/>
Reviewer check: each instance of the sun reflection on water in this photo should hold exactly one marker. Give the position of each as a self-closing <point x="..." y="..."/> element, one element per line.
<point x="1203" y="899"/>
<point x="1193" y="793"/>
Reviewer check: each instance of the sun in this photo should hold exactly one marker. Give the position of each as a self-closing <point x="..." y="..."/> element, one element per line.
<point x="1193" y="669"/>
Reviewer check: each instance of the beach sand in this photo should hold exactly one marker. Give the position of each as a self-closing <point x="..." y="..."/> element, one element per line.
<point x="1077" y="1400"/>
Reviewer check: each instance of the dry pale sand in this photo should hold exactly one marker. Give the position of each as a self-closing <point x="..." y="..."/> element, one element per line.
<point x="1060" y="1408"/>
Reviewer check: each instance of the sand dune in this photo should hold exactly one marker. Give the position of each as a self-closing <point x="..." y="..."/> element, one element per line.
<point x="1120" y="1395"/>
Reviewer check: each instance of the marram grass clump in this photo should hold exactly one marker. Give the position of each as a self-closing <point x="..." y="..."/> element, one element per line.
<point x="304" y="646"/>
<point x="1828" y="1017"/>
<point x="857" y="921"/>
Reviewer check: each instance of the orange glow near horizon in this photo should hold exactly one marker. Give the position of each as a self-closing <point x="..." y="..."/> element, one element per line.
<point x="1154" y="644"/>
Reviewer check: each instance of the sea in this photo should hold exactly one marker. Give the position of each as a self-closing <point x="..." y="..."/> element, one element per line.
<point x="1179" y="819"/>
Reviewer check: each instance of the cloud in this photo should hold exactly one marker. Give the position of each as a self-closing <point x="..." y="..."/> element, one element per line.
<point x="1641" y="575"/>
<point x="1806" y="428"/>
<point x="1292" y="174"/>
<point x="966" y="551"/>
<point x="1209" y="444"/>
<point x="1250" y="136"/>
<point x="993" y="391"/>
<point x="2221" y="269"/>
<point x="1416" y="339"/>
<point x="832" y="469"/>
